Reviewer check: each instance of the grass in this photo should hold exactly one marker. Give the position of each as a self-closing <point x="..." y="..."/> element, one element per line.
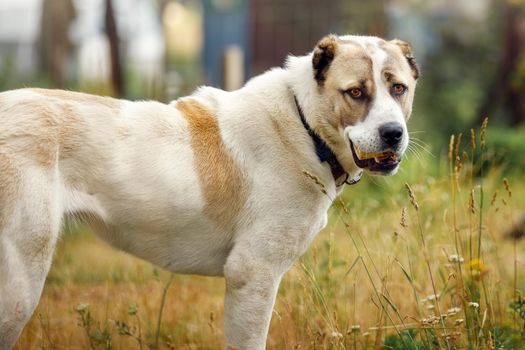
<point x="421" y="265"/>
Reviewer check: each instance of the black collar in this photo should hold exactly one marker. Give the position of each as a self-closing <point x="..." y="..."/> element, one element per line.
<point x="325" y="154"/>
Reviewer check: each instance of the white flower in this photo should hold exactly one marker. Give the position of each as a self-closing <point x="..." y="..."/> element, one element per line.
<point x="453" y="310"/>
<point x="430" y="320"/>
<point x="454" y="258"/>
<point x="432" y="297"/>
<point x="473" y="304"/>
<point x="336" y="334"/>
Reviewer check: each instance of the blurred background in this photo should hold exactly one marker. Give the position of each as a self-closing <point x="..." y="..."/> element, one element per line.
<point x="471" y="52"/>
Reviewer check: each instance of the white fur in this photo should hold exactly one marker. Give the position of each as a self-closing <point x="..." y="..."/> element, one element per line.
<point x="143" y="184"/>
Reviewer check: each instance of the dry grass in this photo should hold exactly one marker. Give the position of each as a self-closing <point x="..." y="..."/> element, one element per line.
<point x="369" y="275"/>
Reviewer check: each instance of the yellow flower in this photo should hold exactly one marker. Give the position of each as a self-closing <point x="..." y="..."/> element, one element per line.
<point x="477" y="265"/>
<point x="478" y="268"/>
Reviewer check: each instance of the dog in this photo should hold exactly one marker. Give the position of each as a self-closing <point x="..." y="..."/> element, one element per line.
<point x="234" y="184"/>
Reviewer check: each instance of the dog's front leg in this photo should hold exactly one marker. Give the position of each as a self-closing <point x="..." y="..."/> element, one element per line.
<point x="251" y="287"/>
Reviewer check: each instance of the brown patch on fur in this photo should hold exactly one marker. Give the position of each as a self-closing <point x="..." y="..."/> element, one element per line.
<point x="48" y="127"/>
<point x="69" y="120"/>
<point x="355" y="64"/>
<point x="52" y="130"/>
<point x="406" y="49"/>
<point x="60" y="117"/>
<point x="69" y="131"/>
<point x="324" y="54"/>
<point x="397" y="68"/>
<point x="360" y="108"/>
<point x="222" y="181"/>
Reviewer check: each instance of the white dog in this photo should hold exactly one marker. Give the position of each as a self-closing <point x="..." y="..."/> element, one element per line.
<point x="232" y="184"/>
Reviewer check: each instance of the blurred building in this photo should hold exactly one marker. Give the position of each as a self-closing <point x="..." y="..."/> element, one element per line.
<point x="268" y="30"/>
<point x="177" y="44"/>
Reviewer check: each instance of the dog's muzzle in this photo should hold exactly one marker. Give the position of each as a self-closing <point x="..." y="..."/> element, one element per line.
<point x="383" y="162"/>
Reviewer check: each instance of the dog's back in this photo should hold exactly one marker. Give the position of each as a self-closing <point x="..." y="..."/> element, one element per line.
<point x="98" y="158"/>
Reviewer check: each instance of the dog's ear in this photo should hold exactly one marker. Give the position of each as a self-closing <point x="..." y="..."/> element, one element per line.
<point x="406" y="49"/>
<point x="323" y="55"/>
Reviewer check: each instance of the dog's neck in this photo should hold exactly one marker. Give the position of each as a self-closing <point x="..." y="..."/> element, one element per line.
<point x="325" y="154"/>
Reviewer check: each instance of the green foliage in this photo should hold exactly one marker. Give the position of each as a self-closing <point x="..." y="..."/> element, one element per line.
<point x="99" y="337"/>
<point x="518" y="306"/>
<point x="505" y="337"/>
<point x="506" y="148"/>
<point x="405" y="341"/>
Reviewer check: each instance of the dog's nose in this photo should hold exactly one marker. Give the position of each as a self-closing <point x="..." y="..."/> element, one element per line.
<point x="391" y="133"/>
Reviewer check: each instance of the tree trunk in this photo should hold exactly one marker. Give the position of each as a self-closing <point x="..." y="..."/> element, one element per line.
<point x="508" y="88"/>
<point x="117" y="78"/>
<point x="55" y="45"/>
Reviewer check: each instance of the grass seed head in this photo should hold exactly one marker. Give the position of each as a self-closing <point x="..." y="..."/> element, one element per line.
<point x="317" y="181"/>
<point x="458" y="145"/>
<point x="464" y="156"/>
<point x="451" y="148"/>
<point x="404" y="214"/>
<point x="471" y="202"/>
<point x="483" y="132"/>
<point x="412" y="196"/>
<point x="494" y="197"/>
<point x="507" y="186"/>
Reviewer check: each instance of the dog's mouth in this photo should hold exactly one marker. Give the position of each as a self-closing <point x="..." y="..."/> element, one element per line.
<point x="383" y="162"/>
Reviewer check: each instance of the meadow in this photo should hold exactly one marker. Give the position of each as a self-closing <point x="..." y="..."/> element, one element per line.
<point x="417" y="261"/>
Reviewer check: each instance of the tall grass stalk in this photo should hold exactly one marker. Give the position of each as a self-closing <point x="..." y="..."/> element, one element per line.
<point x="409" y="276"/>
<point x="482" y="136"/>
<point x="318" y="292"/>
<point x="472" y="208"/>
<point x="346" y="225"/>
<point x="380" y="277"/>
<point x="506" y="183"/>
<point x="383" y="307"/>
<point x="415" y="204"/>
<point x="455" y="166"/>
<point x="161" y="309"/>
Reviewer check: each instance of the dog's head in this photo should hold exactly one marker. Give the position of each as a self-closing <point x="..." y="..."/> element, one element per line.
<point x="364" y="88"/>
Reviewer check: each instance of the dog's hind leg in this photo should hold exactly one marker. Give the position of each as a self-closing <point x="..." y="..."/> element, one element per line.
<point x="30" y="217"/>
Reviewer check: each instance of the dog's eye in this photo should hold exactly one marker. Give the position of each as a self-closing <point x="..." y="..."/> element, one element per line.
<point x="398" y="89"/>
<point x="355" y="93"/>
